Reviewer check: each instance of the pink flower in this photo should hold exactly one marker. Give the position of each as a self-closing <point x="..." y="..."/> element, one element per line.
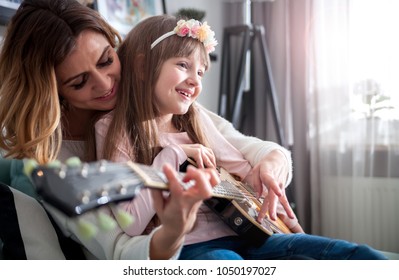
<point x="194" y="29"/>
<point x="183" y="31"/>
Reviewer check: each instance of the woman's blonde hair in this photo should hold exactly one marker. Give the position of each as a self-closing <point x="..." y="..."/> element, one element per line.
<point x="39" y="37"/>
<point x="136" y="111"/>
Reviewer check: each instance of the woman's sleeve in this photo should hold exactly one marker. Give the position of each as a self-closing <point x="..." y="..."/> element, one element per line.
<point x="110" y="244"/>
<point x="253" y="149"/>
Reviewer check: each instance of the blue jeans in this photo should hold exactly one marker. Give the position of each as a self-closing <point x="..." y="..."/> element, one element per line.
<point x="279" y="247"/>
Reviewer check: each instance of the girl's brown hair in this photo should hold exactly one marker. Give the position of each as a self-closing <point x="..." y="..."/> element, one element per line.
<point x="38" y="38"/>
<point x="135" y="113"/>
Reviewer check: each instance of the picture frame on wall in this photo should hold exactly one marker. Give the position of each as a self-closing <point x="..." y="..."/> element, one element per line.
<point x="124" y="14"/>
<point x="8" y="9"/>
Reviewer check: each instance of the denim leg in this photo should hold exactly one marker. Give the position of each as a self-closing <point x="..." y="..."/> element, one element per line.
<point x="217" y="249"/>
<point x="282" y="246"/>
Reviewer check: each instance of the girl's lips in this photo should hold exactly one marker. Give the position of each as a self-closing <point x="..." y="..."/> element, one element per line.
<point x="185" y="94"/>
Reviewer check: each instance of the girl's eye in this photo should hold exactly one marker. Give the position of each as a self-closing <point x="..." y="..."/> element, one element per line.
<point x="109" y="61"/>
<point x="183" y="65"/>
<point x="201" y="73"/>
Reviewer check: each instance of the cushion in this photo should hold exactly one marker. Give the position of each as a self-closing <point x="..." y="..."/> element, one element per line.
<point x="25" y="229"/>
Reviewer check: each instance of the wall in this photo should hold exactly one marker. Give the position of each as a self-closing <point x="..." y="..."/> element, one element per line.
<point x="348" y="210"/>
<point x="2" y="30"/>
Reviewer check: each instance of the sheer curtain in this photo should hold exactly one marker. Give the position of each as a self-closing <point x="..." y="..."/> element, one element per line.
<point x="353" y="120"/>
<point x="335" y="65"/>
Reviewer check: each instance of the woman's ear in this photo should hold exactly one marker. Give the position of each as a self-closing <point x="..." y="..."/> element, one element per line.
<point x="139" y="65"/>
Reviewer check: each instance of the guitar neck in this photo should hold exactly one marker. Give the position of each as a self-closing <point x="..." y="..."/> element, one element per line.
<point x="228" y="188"/>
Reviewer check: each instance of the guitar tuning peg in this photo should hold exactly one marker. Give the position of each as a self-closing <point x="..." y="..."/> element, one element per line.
<point x="86" y="229"/>
<point x="54" y="164"/>
<point x="62" y="171"/>
<point x="85" y="197"/>
<point x="84" y="171"/>
<point x="122" y="189"/>
<point x="106" y="222"/>
<point x="29" y="165"/>
<point x="123" y="218"/>
<point x="73" y="162"/>
<point x="102" y="166"/>
<point x="102" y="192"/>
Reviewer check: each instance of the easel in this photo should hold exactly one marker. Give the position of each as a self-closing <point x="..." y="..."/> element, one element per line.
<point x="231" y="105"/>
<point x="231" y="100"/>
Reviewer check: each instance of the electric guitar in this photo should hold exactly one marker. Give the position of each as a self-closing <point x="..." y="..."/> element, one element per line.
<point x="75" y="190"/>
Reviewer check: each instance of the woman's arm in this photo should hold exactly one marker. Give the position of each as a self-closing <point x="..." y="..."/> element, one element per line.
<point x="272" y="167"/>
<point x="253" y="149"/>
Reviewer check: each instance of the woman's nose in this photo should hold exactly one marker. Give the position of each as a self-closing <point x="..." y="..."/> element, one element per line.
<point x="103" y="81"/>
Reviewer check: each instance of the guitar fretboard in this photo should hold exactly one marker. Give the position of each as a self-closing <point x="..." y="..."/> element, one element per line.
<point x="154" y="178"/>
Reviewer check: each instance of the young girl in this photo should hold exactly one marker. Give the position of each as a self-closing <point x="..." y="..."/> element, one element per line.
<point x="159" y="121"/>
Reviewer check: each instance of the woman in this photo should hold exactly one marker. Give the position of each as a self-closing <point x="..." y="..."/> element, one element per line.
<point x="59" y="72"/>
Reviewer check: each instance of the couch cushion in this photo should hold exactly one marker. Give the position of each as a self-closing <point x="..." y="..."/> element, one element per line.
<point x="27" y="231"/>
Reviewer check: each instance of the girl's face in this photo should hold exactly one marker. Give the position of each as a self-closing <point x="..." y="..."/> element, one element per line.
<point x="179" y="84"/>
<point x="88" y="78"/>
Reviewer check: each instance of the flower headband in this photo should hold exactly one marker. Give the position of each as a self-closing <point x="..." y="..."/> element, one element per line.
<point x="194" y="29"/>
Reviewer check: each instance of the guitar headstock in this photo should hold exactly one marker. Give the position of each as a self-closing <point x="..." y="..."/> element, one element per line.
<point x="74" y="187"/>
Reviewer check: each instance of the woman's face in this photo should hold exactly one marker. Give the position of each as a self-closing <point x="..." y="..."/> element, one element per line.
<point x="89" y="76"/>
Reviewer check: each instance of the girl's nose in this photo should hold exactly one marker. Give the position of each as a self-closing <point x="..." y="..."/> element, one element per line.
<point x="194" y="79"/>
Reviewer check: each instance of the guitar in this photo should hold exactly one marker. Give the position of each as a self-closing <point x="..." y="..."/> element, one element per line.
<point x="75" y="190"/>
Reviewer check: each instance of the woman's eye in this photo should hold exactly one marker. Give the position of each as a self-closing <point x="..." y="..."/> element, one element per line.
<point x="109" y="61"/>
<point x="78" y="86"/>
<point x="81" y="84"/>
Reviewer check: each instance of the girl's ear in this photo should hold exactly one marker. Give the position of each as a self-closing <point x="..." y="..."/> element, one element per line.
<point x="139" y="65"/>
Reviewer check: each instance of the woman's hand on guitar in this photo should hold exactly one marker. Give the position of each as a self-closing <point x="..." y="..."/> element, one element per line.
<point x="178" y="211"/>
<point x="203" y="156"/>
<point x="297" y="229"/>
<point x="269" y="178"/>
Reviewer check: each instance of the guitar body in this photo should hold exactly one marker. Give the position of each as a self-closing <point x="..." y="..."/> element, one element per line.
<point x="239" y="208"/>
<point x="238" y="219"/>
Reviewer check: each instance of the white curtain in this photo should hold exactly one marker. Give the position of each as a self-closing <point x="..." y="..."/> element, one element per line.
<point x="336" y="70"/>
<point x="353" y="119"/>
